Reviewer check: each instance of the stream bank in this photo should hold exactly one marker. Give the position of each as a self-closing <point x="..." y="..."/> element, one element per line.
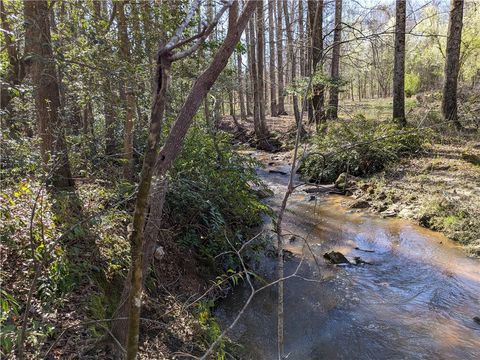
<point x="417" y="300"/>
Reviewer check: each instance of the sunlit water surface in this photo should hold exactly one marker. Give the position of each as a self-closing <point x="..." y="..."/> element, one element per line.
<point x="416" y="300"/>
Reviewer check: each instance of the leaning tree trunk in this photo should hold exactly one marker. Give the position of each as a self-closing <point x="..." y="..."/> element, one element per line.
<point x="47" y="97"/>
<point x="162" y="162"/>
<point x="399" y="65"/>
<point x="335" y="69"/>
<point x="452" y="63"/>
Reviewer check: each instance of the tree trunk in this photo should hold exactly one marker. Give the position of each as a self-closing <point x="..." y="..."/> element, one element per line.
<point x="240" y="82"/>
<point x="47" y="98"/>
<point x="280" y="68"/>
<point x="452" y="65"/>
<point x="335" y="70"/>
<point x="271" y="58"/>
<point x="316" y="25"/>
<point x="260" y="80"/>
<point x="129" y="103"/>
<point x="399" y="64"/>
<point x="249" y="80"/>
<point x="255" y="65"/>
<point x="15" y="69"/>
<point x="164" y="160"/>
<point x="301" y="41"/>
<point x="291" y="55"/>
<point x="134" y="283"/>
<point x="109" y="112"/>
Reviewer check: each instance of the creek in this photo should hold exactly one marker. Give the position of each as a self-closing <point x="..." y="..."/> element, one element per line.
<point x="415" y="300"/>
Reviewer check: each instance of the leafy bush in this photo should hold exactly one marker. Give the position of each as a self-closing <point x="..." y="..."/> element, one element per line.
<point x="364" y="146"/>
<point x="412" y="84"/>
<point x="210" y="196"/>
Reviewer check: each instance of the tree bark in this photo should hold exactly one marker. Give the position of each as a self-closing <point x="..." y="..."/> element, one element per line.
<point x="132" y="303"/>
<point x="240" y="82"/>
<point x="162" y="163"/>
<point x="47" y="98"/>
<point x="399" y="64"/>
<point x="15" y="68"/>
<point x="301" y="35"/>
<point x="249" y="80"/>
<point x="335" y="70"/>
<point x="280" y="68"/>
<point x="316" y="26"/>
<point x="262" y="132"/>
<point x="271" y="58"/>
<point x="129" y="103"/>
<point x="291" y="56"/>
<point x="258" y="121"/>
<point x="452" y="64"/>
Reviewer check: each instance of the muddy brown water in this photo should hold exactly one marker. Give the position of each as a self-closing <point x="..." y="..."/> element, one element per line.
<point x="416" y="301"/>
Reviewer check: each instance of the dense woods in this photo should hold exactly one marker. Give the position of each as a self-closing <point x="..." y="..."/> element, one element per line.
<point x="131" y="202"/>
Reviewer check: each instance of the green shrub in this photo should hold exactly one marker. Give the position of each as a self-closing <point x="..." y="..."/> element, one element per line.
<point x="210" y="196"/>
<point x="365" y="146"/>
<point x="412" y="84"/>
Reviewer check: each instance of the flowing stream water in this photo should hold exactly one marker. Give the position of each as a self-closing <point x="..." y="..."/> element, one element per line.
<point x="416" y="300"/>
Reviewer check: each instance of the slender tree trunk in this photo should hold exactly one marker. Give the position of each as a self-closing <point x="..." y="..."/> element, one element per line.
<point x="47" y="98"/>
<point x="129" y="103"/>
<point x="164" y="160"/>
<point x="15" y="69"/>
<point x="316" y="25"/>
<point x="271" y="45"/>
<point x="452" y="64"/>
<point x="256" y="54"/>
<point x="399" y="64"/>
<point x="291" y="56"/>
<point x="260" y="32"/>
<point x="280" y="68"/>
<point x="131" y="304"/>
<point x="335" y="70"/>
<point x="249" y="80"/>
<point x="109" y="112"/>
<point x="301" y="29"/>
<point x="240" y="81"/>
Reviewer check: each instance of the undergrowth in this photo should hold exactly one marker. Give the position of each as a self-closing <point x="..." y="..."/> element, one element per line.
<point x="359" y="146"/>
<point x="83" y="251"/>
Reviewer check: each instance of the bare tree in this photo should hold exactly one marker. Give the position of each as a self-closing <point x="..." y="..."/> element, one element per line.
<point x="399" y="65"/>
<point x="452" y="65"/>
<point x="335" y="69"/>
<point x="41" y="65"/>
